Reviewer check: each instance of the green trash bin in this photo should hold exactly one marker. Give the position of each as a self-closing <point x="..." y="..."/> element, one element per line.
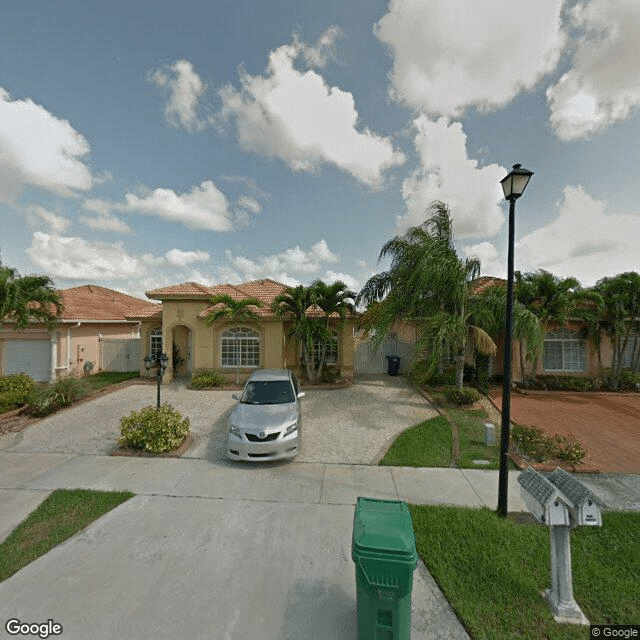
<point x="383" y="548"/>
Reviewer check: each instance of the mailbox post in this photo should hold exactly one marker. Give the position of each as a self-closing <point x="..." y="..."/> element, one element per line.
<point x="561" y="502"/>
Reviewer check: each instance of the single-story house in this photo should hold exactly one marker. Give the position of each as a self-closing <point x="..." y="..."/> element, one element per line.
<point x="181" y="321"/>
<point x="93" y="334"/>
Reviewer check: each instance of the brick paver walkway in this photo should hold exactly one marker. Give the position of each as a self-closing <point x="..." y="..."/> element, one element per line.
<point x="607" y="424"/>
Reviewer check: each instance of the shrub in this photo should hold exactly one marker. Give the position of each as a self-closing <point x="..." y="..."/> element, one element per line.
<point x="419" y="374"/>
<point x="15" y="390"/>
<point x="565" y="383"/>
<point x="461" y="396"/>
<point x="330" y="375"/>
<point x="629" y="380"/>
<point x="206" y="380"/>
<point x="535" y="445"/>
<point x="154" y="430"/>
<point x="61" y="393"/>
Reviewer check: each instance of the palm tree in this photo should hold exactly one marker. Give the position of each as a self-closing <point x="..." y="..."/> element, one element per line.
<point x="294" y="303"/>
<point x="233" y="310"/>
<point x="621" y="295"/>
<point x="333" y="298"/>
<point x="428" y="282"/>
<point x="550" y="298"/>
<point x="26" y="298"/>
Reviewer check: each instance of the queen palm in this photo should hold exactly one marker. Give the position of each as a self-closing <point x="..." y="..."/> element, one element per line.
<point x="236" y="311"/>
<point x="336" y="299"/>
<point x="26" y="298"/>
<point x="294" y="303"/>
<point x="429" y="283"/>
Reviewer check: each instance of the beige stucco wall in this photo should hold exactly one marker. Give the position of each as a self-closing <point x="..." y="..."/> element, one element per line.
<point x="182" y="325"/>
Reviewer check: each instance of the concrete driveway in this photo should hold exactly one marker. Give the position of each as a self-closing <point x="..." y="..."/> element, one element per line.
<point x="355" y="425"/>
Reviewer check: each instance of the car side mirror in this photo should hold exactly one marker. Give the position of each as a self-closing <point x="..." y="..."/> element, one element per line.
<point x="235" y="396"/>
<point x="301" y="394"/>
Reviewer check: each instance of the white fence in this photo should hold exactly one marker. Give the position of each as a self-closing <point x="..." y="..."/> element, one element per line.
<point x="373" y="361"/>
<point x="120" y="355"/>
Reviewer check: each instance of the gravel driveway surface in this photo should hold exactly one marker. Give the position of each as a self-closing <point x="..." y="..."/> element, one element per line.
<point x="352" y="425"/>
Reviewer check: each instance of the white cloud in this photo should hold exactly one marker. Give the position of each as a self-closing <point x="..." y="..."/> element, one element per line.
<point x="185" y="89"/>
<point x="297" y="117"/>
<point x="351" y="282"/>
<point x="446" y="173"/>
<point x="486" y="252"/>
<point x="106" y="223"/>
<point x="179" y="258"/>
<point x="250" y="204"/>
<point x="37" y="149"/>
<point x="204" y="207"/>
<point x="450" y="54"/>
<point x="74" y="258"/>
<point x="37" y="214"/>
<point x="603" y="85"/>
<point x="323" y="50"/>
<point x="584" y="240"/>
<point x="285" y="267"/>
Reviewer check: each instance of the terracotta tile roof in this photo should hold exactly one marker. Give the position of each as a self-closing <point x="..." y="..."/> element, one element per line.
<point x="183" y="290"/>
<point x="263" y="290"/>
<point x="90" y="302"/>
<point x="484" y="282"/>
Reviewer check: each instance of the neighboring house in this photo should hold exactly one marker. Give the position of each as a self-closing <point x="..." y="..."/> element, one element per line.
<point x="93" y="334"/>
<point x="265" y="344"/>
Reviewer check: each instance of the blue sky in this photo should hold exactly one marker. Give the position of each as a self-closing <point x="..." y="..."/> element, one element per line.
<point x="150" y="143"/>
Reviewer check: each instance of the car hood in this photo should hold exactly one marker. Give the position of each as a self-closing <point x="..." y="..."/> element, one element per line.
<point x="263" y="416"/>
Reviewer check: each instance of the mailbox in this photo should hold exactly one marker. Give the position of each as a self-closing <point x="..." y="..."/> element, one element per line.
<point x="583" y="507"/>
<point x="544" y="499"/>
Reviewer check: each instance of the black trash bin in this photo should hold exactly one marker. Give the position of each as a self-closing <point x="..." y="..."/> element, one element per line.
<point x="393" y="365"/>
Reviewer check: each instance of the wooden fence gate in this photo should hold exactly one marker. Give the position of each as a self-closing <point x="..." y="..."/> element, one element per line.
<point x="373" y="361"/>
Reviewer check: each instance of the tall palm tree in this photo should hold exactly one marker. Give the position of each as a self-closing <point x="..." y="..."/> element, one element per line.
<point x="428" y="282"/>
<point x="294" y="303"/>
<point x="333" y="298"/>
<point x="26" y="298"/>
<point x="233" y="310"/>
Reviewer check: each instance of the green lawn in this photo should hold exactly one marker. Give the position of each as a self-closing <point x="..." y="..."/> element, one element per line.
<point x="105" y="379"/>
<point x="493" y="571"/>
<point x="63" y="513"/>
<point x="428" y="444"/>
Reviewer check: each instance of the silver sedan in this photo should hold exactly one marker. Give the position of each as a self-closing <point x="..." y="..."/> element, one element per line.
<point x="265" y="423"/>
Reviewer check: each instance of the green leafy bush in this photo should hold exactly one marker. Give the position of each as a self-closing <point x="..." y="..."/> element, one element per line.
<point x="419" y="373"/>
<point x="565" y="383"/>
<point x="15" y="390"/>
<point x="61" y="393"/>
<point x="629" y="380"/>
<point x="535" y="445"/>
<point x="461" y="396"/>
<point x="206" y="380"/>
<point x="154" y="430"/>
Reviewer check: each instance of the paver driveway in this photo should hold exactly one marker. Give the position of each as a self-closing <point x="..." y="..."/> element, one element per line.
<point x="352" y="425"/>
<point x="607" y="424"/>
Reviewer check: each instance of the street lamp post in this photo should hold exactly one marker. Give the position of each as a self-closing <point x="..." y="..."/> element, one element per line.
<point x="160" y="361"/>
<point x="513" y="186"/>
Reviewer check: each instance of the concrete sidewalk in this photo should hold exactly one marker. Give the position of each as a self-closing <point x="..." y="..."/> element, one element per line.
<point x="216" y="550"/>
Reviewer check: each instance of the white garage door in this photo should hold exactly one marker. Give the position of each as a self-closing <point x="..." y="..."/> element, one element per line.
<point x="32" y="357"/>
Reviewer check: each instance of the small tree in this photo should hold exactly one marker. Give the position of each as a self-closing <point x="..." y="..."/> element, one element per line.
<point x="240" y="311"/>
<point x="26" y="298"/>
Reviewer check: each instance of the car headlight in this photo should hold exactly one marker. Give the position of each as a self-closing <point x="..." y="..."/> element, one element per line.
<point x="290" y="429"/>
<point x="235" y="431"/>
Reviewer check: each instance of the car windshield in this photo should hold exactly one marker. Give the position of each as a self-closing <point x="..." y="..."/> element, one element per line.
<point x="268" y="392"/>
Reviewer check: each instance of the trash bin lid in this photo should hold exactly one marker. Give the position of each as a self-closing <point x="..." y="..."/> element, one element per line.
<point x="383" y="528"/>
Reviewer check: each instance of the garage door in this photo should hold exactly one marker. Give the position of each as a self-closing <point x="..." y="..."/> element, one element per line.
<point x="32" y="357"/>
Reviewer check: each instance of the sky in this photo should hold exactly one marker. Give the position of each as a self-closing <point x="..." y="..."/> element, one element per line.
<point x="149" y="143"/>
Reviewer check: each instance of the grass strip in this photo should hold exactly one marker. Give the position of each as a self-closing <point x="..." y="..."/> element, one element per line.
<point x="105" y="379"/>
<point x="493" y="570"/>
<point x="60" y="515"/>
<point x="427" y="444"/>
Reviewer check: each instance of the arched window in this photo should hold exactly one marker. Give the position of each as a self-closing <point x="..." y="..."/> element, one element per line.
<point x="240" y="347"/>
<point x="155" y="338"/>
<point x="563" y="351"/>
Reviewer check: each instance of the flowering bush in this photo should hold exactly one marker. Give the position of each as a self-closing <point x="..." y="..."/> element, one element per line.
<point x="154" y="430"/>
<point x="535" y="445"/>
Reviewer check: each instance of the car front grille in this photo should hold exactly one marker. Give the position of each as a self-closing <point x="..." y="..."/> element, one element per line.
<point x="252" y="437"/>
